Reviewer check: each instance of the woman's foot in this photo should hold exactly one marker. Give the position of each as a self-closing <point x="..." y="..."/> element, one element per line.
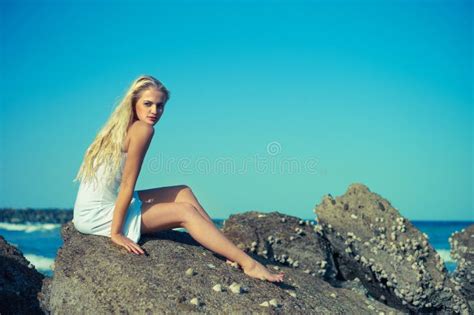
<point x="257" y="270"/>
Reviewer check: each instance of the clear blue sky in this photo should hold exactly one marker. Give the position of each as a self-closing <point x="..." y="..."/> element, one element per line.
<point x="377" y="92"/>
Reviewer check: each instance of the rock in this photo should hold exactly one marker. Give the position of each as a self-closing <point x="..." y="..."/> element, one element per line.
<point x="273" y="302"/>
<point x="403" y="268"/>
<point x="93" y="276"/>
<point x="299" y="246"/>
<point x="235" y="288"/>
<point x="19" y="283"/>
<point x="462" y="250"/>
<point x="195" y="301"/>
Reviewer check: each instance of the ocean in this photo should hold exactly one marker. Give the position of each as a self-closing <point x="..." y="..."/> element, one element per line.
<point x="39" y="242"/>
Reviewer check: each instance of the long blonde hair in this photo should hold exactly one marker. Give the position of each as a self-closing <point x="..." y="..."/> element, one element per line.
<point x="107" y="145"/>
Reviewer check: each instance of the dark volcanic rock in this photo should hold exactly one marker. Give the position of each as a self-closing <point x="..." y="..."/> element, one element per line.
<point x="462" y="250"/>
<point x="19" y="282"/>
<point x="93" y="276"/>
<point x="393" y="260"/>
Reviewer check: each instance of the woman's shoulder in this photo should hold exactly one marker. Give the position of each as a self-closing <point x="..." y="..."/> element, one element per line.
<point x="140" y="129"/>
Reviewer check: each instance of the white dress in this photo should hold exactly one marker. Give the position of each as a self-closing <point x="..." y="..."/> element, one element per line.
<point x="95" y="203"/>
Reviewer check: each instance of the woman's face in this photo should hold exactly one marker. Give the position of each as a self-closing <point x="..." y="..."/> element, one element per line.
<point x="150" y="106"/>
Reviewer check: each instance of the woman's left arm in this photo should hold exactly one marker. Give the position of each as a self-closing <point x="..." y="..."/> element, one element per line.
<point x="140" y="138"/>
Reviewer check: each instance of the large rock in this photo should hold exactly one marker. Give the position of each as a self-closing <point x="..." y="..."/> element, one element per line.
<point x="462" y="250"/>
<point x="93" y="276"/>
<point x="285" y="239"/>
<point x="19" y="282"/>
<point x="297" y="243"/>
<point x="393" y="260"/>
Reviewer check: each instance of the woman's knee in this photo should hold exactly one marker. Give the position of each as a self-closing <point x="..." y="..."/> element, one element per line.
<point x="184" y="188"/>
<point x="188" y="212"/>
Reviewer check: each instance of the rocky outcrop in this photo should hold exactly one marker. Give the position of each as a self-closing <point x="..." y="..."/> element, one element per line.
<point x="371" y="241"/>
<point x="284" y="239"/>
<point x="462" y="250"/>
<point x="19" y="282"/>
<point x="178" y="275"/>
<point x="362" y="257"/>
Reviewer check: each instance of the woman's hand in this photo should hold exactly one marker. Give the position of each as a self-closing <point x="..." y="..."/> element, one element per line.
<point x="131" y="246"/>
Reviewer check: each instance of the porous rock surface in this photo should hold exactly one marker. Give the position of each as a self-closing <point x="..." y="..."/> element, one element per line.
<point x="20" y="282"/>
<point x="93" y="276"/>
<point x="462" y="250"/>
<point x="284" y="239"/>
<point x="394" y="261"/>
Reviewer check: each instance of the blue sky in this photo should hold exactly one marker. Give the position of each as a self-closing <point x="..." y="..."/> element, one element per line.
<point x="376" y="92"/>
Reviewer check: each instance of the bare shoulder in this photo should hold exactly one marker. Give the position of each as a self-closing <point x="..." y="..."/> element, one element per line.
<point x="141" y="130"/>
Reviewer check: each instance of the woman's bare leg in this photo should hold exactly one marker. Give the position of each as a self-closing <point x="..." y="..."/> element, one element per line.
<point x="178" y="193"/>
<point x="163" y="216"/>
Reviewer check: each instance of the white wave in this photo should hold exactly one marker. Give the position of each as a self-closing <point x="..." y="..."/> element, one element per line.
<point x="446" y="255"/>
<point x="40" y="262"/>
<point x="29" y="227"/>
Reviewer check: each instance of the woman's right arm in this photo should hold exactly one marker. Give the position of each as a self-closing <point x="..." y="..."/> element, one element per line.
<point x="140" y="138"/>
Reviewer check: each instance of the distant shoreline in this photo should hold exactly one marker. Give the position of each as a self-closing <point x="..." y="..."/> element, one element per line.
<point x="36" y="215"/>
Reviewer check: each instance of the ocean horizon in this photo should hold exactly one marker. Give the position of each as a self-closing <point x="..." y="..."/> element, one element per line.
<point x="40" y="242"/>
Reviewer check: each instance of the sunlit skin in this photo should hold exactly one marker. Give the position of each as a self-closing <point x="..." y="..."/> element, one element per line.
<point x="171" y="207"/>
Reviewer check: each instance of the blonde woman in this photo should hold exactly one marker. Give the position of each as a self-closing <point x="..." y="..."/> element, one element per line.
<point x="107" y="202"/>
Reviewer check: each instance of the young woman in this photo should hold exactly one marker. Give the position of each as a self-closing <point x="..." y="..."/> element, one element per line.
<point x="107" y="202"/>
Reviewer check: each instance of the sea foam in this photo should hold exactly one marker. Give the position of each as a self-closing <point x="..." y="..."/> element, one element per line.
<point x="41" y="263"/>
<point x="29" y="227"/>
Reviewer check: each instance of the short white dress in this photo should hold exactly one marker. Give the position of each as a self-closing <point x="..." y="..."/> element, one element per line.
<point x="95" y="204"/>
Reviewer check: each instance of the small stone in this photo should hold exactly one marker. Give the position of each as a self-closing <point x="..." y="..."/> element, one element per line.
<point x="235" y="288"/>
<point x="211" y="266"/>
<point x="265" y="304"/>
<point x="353" y="216"/>
<point x="334" y="295"/>
<point x="293" y="294"/>
<point x="195" y="301"/>
<point x="234" y="264"/>
<point x="190" y="272"/>
<point x="273" y="302"/>
<point x="283" y="220"/>
<point x="217" y="288"/>
<point x="262" y="215"/>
